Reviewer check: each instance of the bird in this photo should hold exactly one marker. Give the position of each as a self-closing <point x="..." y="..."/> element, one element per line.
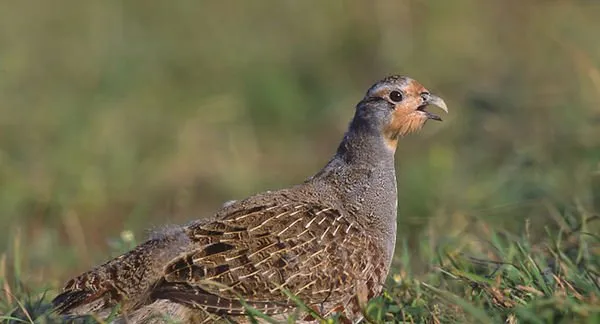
<point x="328" y="241"/>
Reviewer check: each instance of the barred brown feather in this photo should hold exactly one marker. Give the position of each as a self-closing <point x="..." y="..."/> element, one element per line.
<point x="328" y="241"/>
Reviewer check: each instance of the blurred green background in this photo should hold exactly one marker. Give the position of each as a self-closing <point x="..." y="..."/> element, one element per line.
<point x="130" y="115"/>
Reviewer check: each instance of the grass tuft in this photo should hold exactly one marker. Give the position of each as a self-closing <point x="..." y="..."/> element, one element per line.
<point x="511" y="280"/>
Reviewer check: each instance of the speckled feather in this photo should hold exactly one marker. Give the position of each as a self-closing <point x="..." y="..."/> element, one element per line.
<point x="328" y="241"/>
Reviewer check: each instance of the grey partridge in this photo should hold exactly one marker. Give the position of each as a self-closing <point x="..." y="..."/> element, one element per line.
<point x="329" y="241"/>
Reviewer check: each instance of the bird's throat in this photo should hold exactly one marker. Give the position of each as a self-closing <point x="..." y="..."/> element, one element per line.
<point x="391" y="143"/>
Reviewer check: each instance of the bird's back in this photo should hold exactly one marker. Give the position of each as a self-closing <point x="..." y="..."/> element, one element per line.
<point x="252" y="253"/>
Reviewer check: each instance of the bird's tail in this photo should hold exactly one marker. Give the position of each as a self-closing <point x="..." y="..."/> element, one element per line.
<point x="124" y="280"/>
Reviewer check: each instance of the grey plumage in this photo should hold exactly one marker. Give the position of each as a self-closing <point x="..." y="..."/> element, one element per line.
<point x="329" y="241"/>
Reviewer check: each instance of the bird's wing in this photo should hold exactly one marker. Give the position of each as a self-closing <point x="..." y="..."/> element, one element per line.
<point x="253" y="254"/>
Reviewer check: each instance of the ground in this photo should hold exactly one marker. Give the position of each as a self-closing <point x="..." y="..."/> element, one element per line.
<point x="118" y="118"/>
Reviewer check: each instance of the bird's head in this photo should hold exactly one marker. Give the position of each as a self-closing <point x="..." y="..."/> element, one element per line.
<point x="396" y="106"/>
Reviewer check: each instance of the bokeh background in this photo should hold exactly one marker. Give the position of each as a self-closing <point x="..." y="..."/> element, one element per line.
<point x="128" y="115"/>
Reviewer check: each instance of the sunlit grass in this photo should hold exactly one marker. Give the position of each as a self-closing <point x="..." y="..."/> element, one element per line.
<point x="506" y="278"/>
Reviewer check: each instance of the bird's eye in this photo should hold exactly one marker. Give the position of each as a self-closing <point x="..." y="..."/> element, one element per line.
<point x="396" y="96"/>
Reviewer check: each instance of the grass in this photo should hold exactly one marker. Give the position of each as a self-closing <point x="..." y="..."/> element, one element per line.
<point x="123" y="117"/>
<point x="501" y="277"/>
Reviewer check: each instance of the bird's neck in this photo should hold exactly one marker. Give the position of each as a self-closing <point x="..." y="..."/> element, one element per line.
<point x="366" y="146"/>
<point x="363" y="176"/>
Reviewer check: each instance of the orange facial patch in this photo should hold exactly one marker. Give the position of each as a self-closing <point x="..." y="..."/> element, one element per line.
<point x="414" y="88"/>
<point x="406" y="118"/>
<point x="403" y="123"/>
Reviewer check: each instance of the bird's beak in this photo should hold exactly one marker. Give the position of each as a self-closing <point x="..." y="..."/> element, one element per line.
<point x="430" y="99"/>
